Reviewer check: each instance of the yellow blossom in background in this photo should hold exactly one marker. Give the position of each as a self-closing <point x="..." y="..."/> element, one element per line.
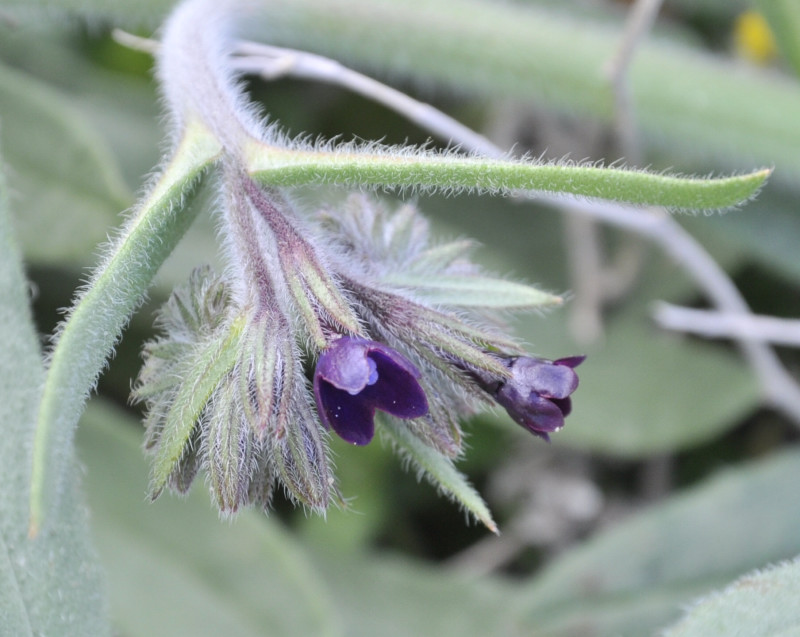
<point x="753" y="38"/>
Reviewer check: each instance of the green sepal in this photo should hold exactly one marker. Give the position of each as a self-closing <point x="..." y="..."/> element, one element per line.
<point x="211" y="362"/>
<point x="475" y="291"/>
<point x="437" y="258"/>
<point x="261" y="373"/>
<point x="301" y="458"/>
<point x="229" y="449"/>
<point x="439" y="471"/>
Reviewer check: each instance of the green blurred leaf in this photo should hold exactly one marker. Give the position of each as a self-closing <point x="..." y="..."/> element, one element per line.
<point x="719" y="10"/>
<point x="636" y="576"/>
<point x="51" y="584"/>
<point x="692" y="105"/>
<point x="13" y="613"/>
<point x="398" y="598"/>
<point x="142" y="13"/>
<point x="766" y="231"/>
<point x="475" y="291"/>
<point x="783" y="17"/>
<point x="176" y="570"/>
<point x="645" y="391"/>
<point x="67" y="188"/>
<point x="760" y="604"/>
<point x="121" y="107"/>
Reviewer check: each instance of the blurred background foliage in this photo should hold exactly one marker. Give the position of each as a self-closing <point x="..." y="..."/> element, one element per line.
<point x="671" y="478"/>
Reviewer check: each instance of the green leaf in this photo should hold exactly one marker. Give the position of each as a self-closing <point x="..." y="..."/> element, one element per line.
<point x="398" y="168"/>
<point x="175" y="569"/>
<point x="99" y="314"/>
<point x="644" y="391"/>
<point x="635" y="576"/>
<point x="766" y="232"/>
<point x="209" y="365"/>
<point x="760" y="604"/>
<point x="710" y="111"/>
<point x="475" y="291"/>
<point x="439" y="471"/>
<point x="51" y="585"/>
<point x="783" y="17"/>
<point x="135" y="14"/>
<point x="68" y="190"/>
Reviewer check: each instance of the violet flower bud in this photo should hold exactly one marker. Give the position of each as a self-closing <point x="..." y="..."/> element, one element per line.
<point x="354" y="377"/>
<point x="537" y="395"/>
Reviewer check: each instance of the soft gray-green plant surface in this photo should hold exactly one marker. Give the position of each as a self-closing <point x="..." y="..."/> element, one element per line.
<point x="643" y="392"/>
<point x="51" y="585"/>
<point x="760" y="603"/>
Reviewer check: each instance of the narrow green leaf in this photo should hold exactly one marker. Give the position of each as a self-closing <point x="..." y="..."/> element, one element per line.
<point x="439" y="471"/>
<point x="760" y="604"/>
<point x="51" y="585"/>
<point x="636" y="576"/>
<point x="710" y="109"/>
<point x="210" y="365"/>
<point x="475" y="291"/>
<point x="690" y="104"/>
<point x="394" y="168"/>
<point x="99" y="314"/>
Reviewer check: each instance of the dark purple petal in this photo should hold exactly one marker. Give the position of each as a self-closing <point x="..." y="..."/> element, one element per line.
<point x="349" y="416"/>
<point x="570" y="361"/>
<point x="536" y="414"/>
<point x="397" y="391"/>
<point x="354" y="377"/>
<point x="564" y="404"/>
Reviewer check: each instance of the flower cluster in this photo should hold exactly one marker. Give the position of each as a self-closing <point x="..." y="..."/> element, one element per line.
<point x="358" y="301"/>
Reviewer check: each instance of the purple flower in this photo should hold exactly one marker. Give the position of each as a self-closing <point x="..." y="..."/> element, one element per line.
<point x="354" y="377"/>
<point x="537" y="395"/>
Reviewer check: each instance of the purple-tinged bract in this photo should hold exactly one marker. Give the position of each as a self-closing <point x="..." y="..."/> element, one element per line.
<point x="354" y="377"/>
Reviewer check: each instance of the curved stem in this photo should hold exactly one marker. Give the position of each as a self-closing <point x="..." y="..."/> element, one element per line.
<point x="85" y="340"/>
